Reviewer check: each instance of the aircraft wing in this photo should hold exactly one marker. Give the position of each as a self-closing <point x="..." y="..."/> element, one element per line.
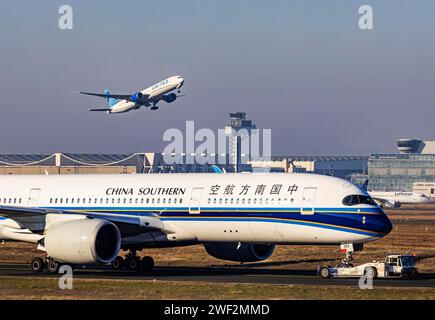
<point x="34" y="219"/>
<point x="387" y="202"/>
<point x="103" y="95"/>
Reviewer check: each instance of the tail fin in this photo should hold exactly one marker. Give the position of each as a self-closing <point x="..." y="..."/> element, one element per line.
<point x="365" y="185"/>
<point x="110" y="101"/>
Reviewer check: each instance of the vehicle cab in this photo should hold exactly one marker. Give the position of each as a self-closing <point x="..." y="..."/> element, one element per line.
<point x="400" y="264"/>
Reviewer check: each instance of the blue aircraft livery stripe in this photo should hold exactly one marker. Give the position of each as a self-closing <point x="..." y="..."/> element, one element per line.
<point x="286" y="221"/>
<point x="371" y="222"/>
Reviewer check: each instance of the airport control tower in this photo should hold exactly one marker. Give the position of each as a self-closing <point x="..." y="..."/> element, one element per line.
<point x="238" y="130"/>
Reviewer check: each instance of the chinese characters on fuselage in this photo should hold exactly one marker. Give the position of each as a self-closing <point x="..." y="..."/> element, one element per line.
<point x="257" y="190"/>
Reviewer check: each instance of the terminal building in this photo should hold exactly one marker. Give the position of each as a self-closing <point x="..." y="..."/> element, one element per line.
<point x="414" y="165"/>
<point x="235" y="160"/>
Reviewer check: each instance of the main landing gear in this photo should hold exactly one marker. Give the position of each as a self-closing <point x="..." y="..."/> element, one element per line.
<point x="133" y="262"/>
<point x="154" y="107"/>
<point x="38" y="265"/>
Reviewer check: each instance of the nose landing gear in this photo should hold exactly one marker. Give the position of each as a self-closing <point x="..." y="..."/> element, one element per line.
<point x="348" y="249"/>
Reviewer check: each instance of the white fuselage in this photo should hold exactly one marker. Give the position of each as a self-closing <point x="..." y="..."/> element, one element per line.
<point x="402" y="197"/>
<point x="200" y="208"/>
<point x="154" y="94"/>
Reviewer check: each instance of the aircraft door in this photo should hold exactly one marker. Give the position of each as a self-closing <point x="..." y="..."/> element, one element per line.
<point x="195" y="201"/>
<point x="308" y="200"/>
<point x="32" y="201"/>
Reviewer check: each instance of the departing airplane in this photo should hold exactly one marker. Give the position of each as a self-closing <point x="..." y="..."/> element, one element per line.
<point x="119" y="103"/>
<point x="394" y="199"/>
<point x="88" y="219"/>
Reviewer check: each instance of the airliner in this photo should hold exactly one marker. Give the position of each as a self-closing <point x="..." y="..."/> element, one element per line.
<point x="119" y="103"/>
<point x="89" y="219"/>
<point x="394" y="199"/>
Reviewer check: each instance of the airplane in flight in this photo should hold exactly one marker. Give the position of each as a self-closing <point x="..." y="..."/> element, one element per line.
<point x="119" y="103"/>
<point x="394" y="199"/>
<point x="88" y="219"/>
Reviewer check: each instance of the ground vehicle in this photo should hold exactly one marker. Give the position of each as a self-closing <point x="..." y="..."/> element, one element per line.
<point x="394" y="265"/>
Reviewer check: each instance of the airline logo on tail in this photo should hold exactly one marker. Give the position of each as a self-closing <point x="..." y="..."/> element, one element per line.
<point x="110" y="101"/>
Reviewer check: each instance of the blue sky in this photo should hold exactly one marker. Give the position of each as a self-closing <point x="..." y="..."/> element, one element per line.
<point x="300" y="68"/>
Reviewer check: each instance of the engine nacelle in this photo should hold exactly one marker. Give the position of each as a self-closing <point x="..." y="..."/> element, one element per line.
<point x="136" y="97"/>
<point x="85" y="241"/>
<point x="392" y="204"/>
<point x="244" y="253"/>
<point x="171" y="97"/>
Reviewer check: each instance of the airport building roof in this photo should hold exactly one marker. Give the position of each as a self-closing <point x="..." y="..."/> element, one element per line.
<point x="319" y="158"/>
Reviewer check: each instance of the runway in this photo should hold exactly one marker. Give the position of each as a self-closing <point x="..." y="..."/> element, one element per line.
<point x="225" y="275"/>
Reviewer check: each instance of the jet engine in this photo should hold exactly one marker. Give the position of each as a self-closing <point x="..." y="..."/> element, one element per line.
<point x="240" y="253"/>
<point x="171" y="97"/>
<point x="84" y="241"/>
<point x="392" y="204"/>
<point x="136" y="97"/>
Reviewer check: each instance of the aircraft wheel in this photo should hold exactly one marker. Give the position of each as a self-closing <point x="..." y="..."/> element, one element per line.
<point x="37" y="265"/>
<point x="133" y="263"/>
<point x="324" y="272"/>
<point x="147" y="264"/>
<point x="53" y="266"/>
<point x="118" y="263"/>
<point x="371" y="273"/>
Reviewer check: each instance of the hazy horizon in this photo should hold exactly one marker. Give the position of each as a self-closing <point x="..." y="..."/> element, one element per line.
<point x="301" y="68"/>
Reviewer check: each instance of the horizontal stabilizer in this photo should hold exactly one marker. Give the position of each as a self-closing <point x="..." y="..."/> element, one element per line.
<point x="100" y="109"/>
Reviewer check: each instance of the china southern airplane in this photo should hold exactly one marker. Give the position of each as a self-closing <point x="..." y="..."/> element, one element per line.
<point x="119" y="103"/>
<point x="88" y="219"/>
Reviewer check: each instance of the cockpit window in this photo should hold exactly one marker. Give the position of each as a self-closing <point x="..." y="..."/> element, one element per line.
<point x="355" y="199"/>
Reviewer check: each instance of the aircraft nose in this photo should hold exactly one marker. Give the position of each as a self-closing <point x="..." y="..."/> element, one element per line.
<point x="180" y="82"/>
<point x="385" y="225"/>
